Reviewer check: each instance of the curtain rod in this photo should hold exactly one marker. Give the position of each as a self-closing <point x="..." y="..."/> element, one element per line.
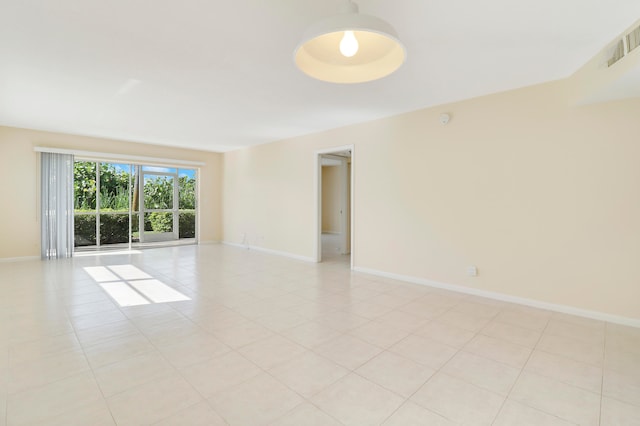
<point x="136" y="159"/>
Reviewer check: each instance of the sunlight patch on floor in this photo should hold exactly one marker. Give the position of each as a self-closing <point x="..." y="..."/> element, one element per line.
<point x="157" y="291"/>
<point x="122" y="293"/>
<point x="100" y="274"/>
<point x="131" y="286"/>
<point x="129" y="272"/>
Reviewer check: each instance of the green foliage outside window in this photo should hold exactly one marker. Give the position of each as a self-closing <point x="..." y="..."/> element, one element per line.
<point x="113" y="187"/>
<point x="187" y="193"/>
<point x="158" y="193"/>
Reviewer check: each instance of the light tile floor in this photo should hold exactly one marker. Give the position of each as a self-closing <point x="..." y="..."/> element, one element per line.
<point x="268" y="340"/>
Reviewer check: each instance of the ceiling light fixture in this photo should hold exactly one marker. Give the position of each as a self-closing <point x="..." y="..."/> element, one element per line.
<point x="350" y="48"/>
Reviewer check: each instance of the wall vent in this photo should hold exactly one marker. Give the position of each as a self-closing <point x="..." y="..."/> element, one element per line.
<point x="633" y="39"/>
<point x="618" y="53"/>
<point x="625" y="45"/>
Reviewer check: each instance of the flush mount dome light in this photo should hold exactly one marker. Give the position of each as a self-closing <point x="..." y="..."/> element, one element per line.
<point x="350" y="48"/>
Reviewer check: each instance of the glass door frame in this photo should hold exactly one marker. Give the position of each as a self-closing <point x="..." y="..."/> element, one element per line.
<point x="174" y="202"/>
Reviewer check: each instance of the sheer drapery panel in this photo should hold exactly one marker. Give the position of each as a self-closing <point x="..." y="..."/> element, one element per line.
<point x="56" y="200"/>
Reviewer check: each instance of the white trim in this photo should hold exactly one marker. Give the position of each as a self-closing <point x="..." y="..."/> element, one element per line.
<point x="105" y="156"/>
<point x="631" y="322"/>
<point x="330" y="162"/>
<point x="270" y="251"/>
<point x="344" y="208"/>
<point x="18" y="259"/>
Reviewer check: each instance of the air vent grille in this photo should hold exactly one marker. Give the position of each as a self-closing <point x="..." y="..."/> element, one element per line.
<point x="618" y="53"/>
<point x="633" y="39"/>
<point x="625" y="45"/>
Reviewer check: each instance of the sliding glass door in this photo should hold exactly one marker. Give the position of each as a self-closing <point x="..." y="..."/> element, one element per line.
<point x="125" y="205"/>
<point x="159" y="205"/>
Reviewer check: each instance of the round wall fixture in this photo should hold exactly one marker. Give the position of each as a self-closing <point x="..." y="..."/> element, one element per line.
<point x="350" y="48"/>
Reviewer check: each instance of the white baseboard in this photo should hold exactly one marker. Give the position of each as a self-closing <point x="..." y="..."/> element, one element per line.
<point x="270" y="251"/>
<point x="601" y="316"/>
<point x="18" y="259"/>
<point x="208" y="242"/>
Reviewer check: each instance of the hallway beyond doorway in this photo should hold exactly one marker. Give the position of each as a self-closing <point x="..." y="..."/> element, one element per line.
<point x="331" y="249"/>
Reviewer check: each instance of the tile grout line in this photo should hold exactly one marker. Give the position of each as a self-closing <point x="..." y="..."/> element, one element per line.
<point x="6" y="390"/>
<point x="93" y="374"/>
<point x="521" y="371"/>
<point x="436" y="371"/>
<point x="304" y="398"/>
<point x="604" y="352"/>
<point x="231" y="350"/>
<point x="175" y="369"/>
<point x="353" y="371"/>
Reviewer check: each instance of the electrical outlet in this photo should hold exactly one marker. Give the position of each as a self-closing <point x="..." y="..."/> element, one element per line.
<point x="472" y="271"/>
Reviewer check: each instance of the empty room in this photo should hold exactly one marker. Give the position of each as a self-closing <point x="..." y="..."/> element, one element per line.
<point x="297" y="212"/>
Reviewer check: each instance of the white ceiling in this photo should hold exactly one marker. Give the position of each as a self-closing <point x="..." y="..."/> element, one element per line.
<point x="219" y="75"/>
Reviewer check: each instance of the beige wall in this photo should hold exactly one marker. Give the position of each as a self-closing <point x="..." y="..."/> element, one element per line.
<point x="542" y="197"/>
<point x="331" y="199"/>
<point x="268" y="197"/>
<point x="19" y="222"/>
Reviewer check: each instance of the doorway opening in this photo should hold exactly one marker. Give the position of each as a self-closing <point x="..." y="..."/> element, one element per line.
<point x="334" y="195"/>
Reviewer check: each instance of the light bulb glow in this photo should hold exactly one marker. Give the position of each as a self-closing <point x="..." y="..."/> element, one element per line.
<point x="349" y="44"/>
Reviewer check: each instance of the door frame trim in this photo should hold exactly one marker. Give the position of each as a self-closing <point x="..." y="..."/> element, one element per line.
<point x="317" y="249"/>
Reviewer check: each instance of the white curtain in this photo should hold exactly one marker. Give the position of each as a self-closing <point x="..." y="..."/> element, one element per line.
<point x="57" y="205"/>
